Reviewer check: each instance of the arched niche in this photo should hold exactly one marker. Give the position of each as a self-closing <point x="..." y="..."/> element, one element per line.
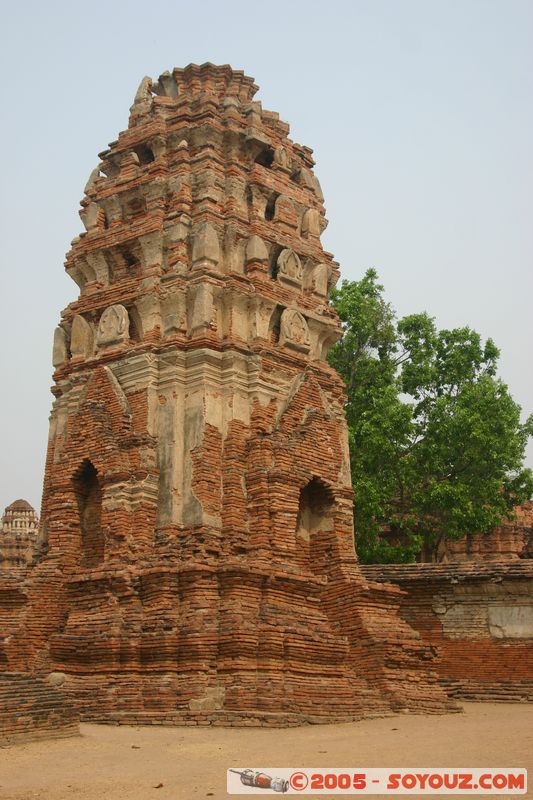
<point x="89" y="498"/>
<point x="265" y="157"/>
<point x="289" y="269"/>
<point x="144" y="153"/>
<point x="294" y="331"/>
<point x="270" y="208"/>
<point x="315" y="524"/>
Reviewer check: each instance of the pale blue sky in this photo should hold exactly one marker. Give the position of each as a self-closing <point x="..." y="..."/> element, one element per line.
<point x="419" y="112"/>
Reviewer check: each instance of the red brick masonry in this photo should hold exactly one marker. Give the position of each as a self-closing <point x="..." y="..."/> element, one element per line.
<point x="477" y="618"/>
<point x="30" y="708"/>
<point x="197" y="558"/>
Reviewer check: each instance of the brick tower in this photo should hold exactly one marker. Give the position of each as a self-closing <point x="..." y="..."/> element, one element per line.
<point x="197" y="542"/>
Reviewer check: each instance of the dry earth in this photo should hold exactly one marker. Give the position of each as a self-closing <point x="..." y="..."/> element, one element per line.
<point x="124" y="763"/>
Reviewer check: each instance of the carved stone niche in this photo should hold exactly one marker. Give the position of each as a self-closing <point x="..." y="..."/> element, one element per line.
<point x="206" y="186"/>
<point x="152" y="249"/>
<point x="281" y="159"/>
<point x="174" y="312"/>
<point x="59" y="351"/>
<point x="323" y="335"/>
<point x="112" y="209"/>
<point x="261" y="315"/>
<point x="114" y="326"/>
<point x="234" y="250"/>
<point x="81" y="338"/>
<point x="206" y="247"/>
<point x="311" y="223"/>
<point x="307" y="178"/>
<point x="316" y="278"/>
<point x="90" y="186"/>
<point x="290" y="270"/>
<point x="294" y="331"/>
<point x="285" y="212"/>
<point x="236" y="192"/>
<point x="148" y="313"/>
<point x="90" y="216"/>
<point x="99" y="266"/>
<point x="143" y="97"/>
<point x="256" y="250"/>
<point x="201" y="315"/>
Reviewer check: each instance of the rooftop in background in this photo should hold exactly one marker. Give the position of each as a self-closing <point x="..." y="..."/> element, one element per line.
<point x="20" y="505"/>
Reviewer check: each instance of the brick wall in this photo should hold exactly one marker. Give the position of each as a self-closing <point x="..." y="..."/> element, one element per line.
<point x="477" y="618"/>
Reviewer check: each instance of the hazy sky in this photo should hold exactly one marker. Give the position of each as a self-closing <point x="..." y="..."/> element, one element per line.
<point x="419" y="113"/>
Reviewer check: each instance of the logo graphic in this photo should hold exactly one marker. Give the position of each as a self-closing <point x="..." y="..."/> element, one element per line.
<point x="260" y="780"/>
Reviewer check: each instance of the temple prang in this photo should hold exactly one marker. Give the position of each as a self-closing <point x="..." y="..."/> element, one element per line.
<point x="196" y="545"/>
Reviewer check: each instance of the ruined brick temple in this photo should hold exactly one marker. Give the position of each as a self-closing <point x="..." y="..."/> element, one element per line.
<point x="196" y="557"/>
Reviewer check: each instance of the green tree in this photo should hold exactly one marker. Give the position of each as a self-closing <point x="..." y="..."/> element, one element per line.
<point x="436" y="442"/>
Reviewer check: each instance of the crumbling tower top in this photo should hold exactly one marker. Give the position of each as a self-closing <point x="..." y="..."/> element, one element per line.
<point x="193" y="80"/>
<point x="203" y="185"/>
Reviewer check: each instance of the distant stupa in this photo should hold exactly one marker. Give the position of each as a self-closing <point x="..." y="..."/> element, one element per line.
<point x="18" y="535"/>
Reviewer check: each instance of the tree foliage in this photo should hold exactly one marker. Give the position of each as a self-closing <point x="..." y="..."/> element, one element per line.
<point x="436" y="441"/>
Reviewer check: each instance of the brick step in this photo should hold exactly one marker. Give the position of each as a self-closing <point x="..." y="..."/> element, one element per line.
<point x="224" y="718"/>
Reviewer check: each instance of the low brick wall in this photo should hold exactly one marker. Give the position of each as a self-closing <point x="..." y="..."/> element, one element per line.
<point x="31" y="708"/>
<point x="225" y="719"/>
<point x="478" y="617"/>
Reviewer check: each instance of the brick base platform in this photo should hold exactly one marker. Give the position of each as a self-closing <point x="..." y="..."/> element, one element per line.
<point x="31" y="708"/>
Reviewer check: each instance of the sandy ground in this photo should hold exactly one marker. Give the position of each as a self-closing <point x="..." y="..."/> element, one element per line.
<point x="124" y="763"/>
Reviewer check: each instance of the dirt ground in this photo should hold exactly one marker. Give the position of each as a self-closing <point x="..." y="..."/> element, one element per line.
<point x="125" y="763"/>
